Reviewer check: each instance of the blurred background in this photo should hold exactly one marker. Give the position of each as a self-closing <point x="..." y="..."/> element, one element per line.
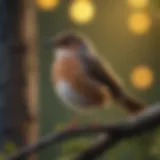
<point x="126" y="34"/>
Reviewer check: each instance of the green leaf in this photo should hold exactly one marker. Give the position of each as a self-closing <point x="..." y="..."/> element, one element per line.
<point x="2" y="156"/>
<point x="59" y="126"/>
<point x="10" y="147"/>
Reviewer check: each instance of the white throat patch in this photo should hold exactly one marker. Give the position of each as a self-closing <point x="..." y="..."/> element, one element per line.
<point x="62" y="53"/>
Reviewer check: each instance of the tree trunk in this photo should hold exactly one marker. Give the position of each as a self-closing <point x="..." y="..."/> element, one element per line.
<point x="22" y="112"/>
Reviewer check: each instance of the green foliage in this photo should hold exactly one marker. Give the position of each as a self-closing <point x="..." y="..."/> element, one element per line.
<point x="134" y="148"/>
<point x="155" y="148"/>
<point x="2" y="156"/>
<point x="72" y="147"/>
<point x="59" y="126"/>
<point x="9" y="147"/>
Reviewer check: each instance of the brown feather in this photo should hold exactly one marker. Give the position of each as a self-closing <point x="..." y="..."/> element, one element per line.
<point x="70" y="70"/>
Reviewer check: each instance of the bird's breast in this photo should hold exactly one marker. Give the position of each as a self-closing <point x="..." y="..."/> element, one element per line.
<point x="69" y="94"/>
<point x="73" y="85"/>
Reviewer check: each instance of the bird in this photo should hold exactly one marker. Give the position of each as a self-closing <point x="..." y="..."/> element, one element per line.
<point x="81" y="79"/>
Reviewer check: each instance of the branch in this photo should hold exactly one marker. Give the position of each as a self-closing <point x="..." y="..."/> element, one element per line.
<point x="131" y="127"/>
<point x="115" y="132"/>
<point x="98" y="149"/>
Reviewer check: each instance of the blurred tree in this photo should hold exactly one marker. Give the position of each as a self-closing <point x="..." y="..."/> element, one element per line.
<point x="14" y="67"/>
<point x="17" y="109"/>
<point x="4" y="68"/>
<point x="14" y="111"/>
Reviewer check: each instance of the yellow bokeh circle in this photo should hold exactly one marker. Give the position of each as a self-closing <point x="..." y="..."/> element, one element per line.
<point x="139" y="23"/>
<point x="82" y="11"/>
<point x="47" y="4"/>
<point x="142" y="77"/>
<point x="138" y="3"/>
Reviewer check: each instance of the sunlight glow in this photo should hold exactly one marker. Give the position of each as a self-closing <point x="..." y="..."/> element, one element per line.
<point x="82" y="11"/>
<point x="139" y="23"/>
<point x="142" y="77"/>
<point x="47" y="5"/>
<point x="138" y="3"/>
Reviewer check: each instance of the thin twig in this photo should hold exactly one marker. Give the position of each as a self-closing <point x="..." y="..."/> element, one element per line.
<point x="95" y="151"/>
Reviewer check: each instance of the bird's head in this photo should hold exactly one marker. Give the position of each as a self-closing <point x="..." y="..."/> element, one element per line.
<point x="67" y="43"/>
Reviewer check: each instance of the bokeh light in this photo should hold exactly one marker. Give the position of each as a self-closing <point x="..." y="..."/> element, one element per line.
<point x="47" y="5"/>
<point x="138" y="3"/>
<point x="139" y="23"/>
<point x="82" y="11"/>
<point x="142" y="77"/>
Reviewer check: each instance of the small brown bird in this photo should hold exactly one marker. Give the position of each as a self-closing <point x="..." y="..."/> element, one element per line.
<point x="81" y="79"/>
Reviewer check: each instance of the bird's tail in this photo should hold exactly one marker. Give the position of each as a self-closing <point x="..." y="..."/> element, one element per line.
<point x="131" y="104"/>
<point x="118" y="93"/>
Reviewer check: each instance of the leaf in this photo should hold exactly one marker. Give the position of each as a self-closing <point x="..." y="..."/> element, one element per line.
<point x="10" y="147"/>
<point x="2" y="156"/>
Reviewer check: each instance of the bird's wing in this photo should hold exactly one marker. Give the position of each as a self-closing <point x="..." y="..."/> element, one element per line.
<point x="95" y="68"/>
